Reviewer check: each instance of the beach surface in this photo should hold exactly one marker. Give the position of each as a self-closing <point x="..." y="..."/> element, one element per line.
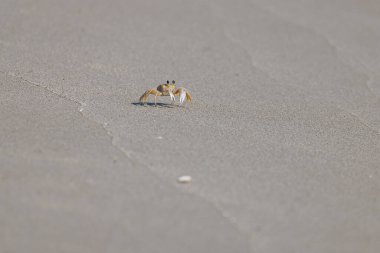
<point x="281" y="140"/>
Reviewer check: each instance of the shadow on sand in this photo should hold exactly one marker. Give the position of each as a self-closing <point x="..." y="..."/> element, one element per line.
<point x="163" y="105"/>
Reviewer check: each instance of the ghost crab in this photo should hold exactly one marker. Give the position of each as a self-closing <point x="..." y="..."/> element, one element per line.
<point x="168" y="89"/>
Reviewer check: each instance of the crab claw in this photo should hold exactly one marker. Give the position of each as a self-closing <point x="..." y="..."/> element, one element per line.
<point x="183" y="94"/>
<point x="172" y="97"/>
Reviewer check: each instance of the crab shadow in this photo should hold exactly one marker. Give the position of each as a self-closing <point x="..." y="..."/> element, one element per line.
<point x="160" y="105"/>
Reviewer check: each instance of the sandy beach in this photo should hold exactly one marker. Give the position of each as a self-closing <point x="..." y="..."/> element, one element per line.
<point x="281" y="140"/>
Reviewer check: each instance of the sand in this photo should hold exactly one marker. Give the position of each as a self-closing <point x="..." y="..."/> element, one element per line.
<point x="281" y="142"/>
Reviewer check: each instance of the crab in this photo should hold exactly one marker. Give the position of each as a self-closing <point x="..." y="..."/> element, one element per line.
<point x="168" y="89"/>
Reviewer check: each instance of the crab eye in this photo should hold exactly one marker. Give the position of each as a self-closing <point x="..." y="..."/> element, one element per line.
<point x="167" y="81"/>
<point x="173" y="82"/>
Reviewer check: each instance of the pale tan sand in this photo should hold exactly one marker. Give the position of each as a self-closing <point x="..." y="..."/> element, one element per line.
<point x="281" y="139"/>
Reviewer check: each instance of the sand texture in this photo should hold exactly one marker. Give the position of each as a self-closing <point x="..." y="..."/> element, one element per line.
<point x="278" y="152"/>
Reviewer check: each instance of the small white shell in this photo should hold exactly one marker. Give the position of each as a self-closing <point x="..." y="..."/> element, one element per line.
<point x="184" y="179"/>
